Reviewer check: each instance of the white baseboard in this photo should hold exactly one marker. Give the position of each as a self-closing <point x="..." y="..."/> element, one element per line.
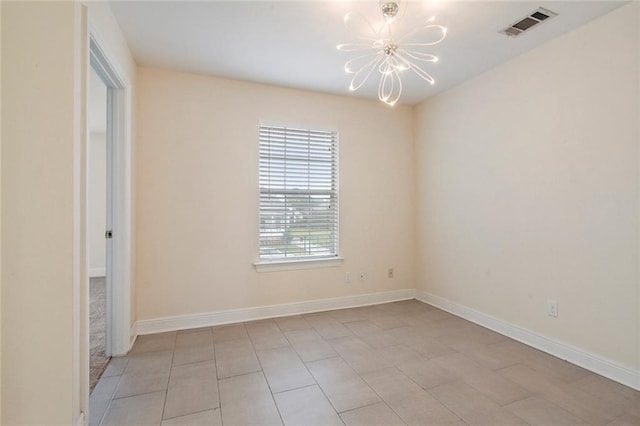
<point x="249" y="314"/>
<point x="607" y="368"/>
<point x="97" y="272"/>
<point x="133" y="335"/>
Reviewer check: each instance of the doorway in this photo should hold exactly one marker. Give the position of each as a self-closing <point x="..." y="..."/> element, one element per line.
<point x="108" y="239"/>
<point x="98" y="218"/>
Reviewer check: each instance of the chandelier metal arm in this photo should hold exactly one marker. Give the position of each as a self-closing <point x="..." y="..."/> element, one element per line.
<point x="367" y="69"/>
<point x="419" y="56"/>
<point x="351" y="19"/>
<point x="390" y="86"/>
<point x="425" y="28"/>
<point x="415" y="68"/>
<point x="352" y="66"/>
<point x="355" y="47"/>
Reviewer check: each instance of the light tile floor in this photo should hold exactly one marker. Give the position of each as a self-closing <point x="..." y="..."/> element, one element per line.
<point x="396" y="363"/>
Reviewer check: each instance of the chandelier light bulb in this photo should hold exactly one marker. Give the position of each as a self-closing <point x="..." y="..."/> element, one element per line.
<point x="387" y="55"/>
<point x="389" y="10"/>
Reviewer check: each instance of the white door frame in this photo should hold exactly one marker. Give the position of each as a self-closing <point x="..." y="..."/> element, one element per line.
<point x="118" y="264"/>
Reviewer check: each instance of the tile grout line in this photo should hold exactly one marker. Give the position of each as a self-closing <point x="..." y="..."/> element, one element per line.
<point x="166" y="393"/>
<point x="255" y="353"/>
<point x="404" y="374"/>
<point x="474" y="386"/>
<point x="104" y="413"/>
<point x="217" y="386"/>
<point x="189" y="414"/>
<point x="215" y="366"/>
<point x="311" y="374"/>
<point x="110" y="401"/>
<point x="215" y="363"/>
<point x="369" y="386"/>
<point x="359" y="376"/>
<point x="374" y="403"/>
<point x="295" y="389"/>
<point x="352" y="367"/>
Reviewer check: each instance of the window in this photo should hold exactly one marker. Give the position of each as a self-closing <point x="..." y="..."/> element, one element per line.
<point x="298" y="194"/>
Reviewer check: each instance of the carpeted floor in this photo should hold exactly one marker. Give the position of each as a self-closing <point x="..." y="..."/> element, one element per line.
<point x="98" y="360"/>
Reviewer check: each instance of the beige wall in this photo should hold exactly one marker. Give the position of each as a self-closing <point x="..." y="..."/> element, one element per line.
<point x="43" y="205"/>
<point x="97" y="200"/>
<point x="638" y="175"/>
<point x="41" y="136"/>
<point x="0" y="211"/>
<point x="197" y="194"/>
<point x="527" y="182"/>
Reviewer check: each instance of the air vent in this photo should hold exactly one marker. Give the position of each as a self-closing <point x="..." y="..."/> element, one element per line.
<point x="528" y="22"/>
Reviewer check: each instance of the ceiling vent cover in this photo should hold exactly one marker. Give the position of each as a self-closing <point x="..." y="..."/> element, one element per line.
<point x="536" y="17"/>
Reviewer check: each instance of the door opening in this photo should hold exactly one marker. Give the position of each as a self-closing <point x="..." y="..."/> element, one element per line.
<point x="98" y="222"/>
<point x="112" y="151"/>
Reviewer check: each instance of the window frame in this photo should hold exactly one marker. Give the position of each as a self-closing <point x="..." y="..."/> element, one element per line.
<point x="263" y="264"/>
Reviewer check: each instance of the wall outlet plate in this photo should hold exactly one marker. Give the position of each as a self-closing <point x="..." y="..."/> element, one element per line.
<point x="552" y="308"/>
<point x="362" y="276"/>
<point x="390" y="273"/>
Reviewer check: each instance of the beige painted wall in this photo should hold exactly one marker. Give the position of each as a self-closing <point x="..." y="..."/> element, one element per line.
<point x="638" y="175"/>
<point x="41" y="136"/>
<point x="197" y="194"/>
<point x="43" y="170"/>
<point x="0" y="211"/>
<point x="97" y="200"/>
<point x="527" y="182"/>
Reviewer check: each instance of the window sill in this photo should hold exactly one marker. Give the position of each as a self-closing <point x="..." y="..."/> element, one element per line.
<point x="292" y="265"/>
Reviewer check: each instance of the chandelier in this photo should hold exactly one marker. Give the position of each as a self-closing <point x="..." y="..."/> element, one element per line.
<point x="387" y="54"/>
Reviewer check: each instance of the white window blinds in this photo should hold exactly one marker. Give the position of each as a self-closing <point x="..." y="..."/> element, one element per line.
<point x="298" y="193"/>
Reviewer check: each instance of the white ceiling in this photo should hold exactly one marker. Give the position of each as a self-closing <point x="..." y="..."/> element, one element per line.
<point x="293" y="43"/>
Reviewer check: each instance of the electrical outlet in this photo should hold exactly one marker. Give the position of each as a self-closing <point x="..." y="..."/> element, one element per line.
<point x="390" y="273"/>
<point x="347" y="277"/>
<point x="552" y="308"/>
<point x="362" y="276"/>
